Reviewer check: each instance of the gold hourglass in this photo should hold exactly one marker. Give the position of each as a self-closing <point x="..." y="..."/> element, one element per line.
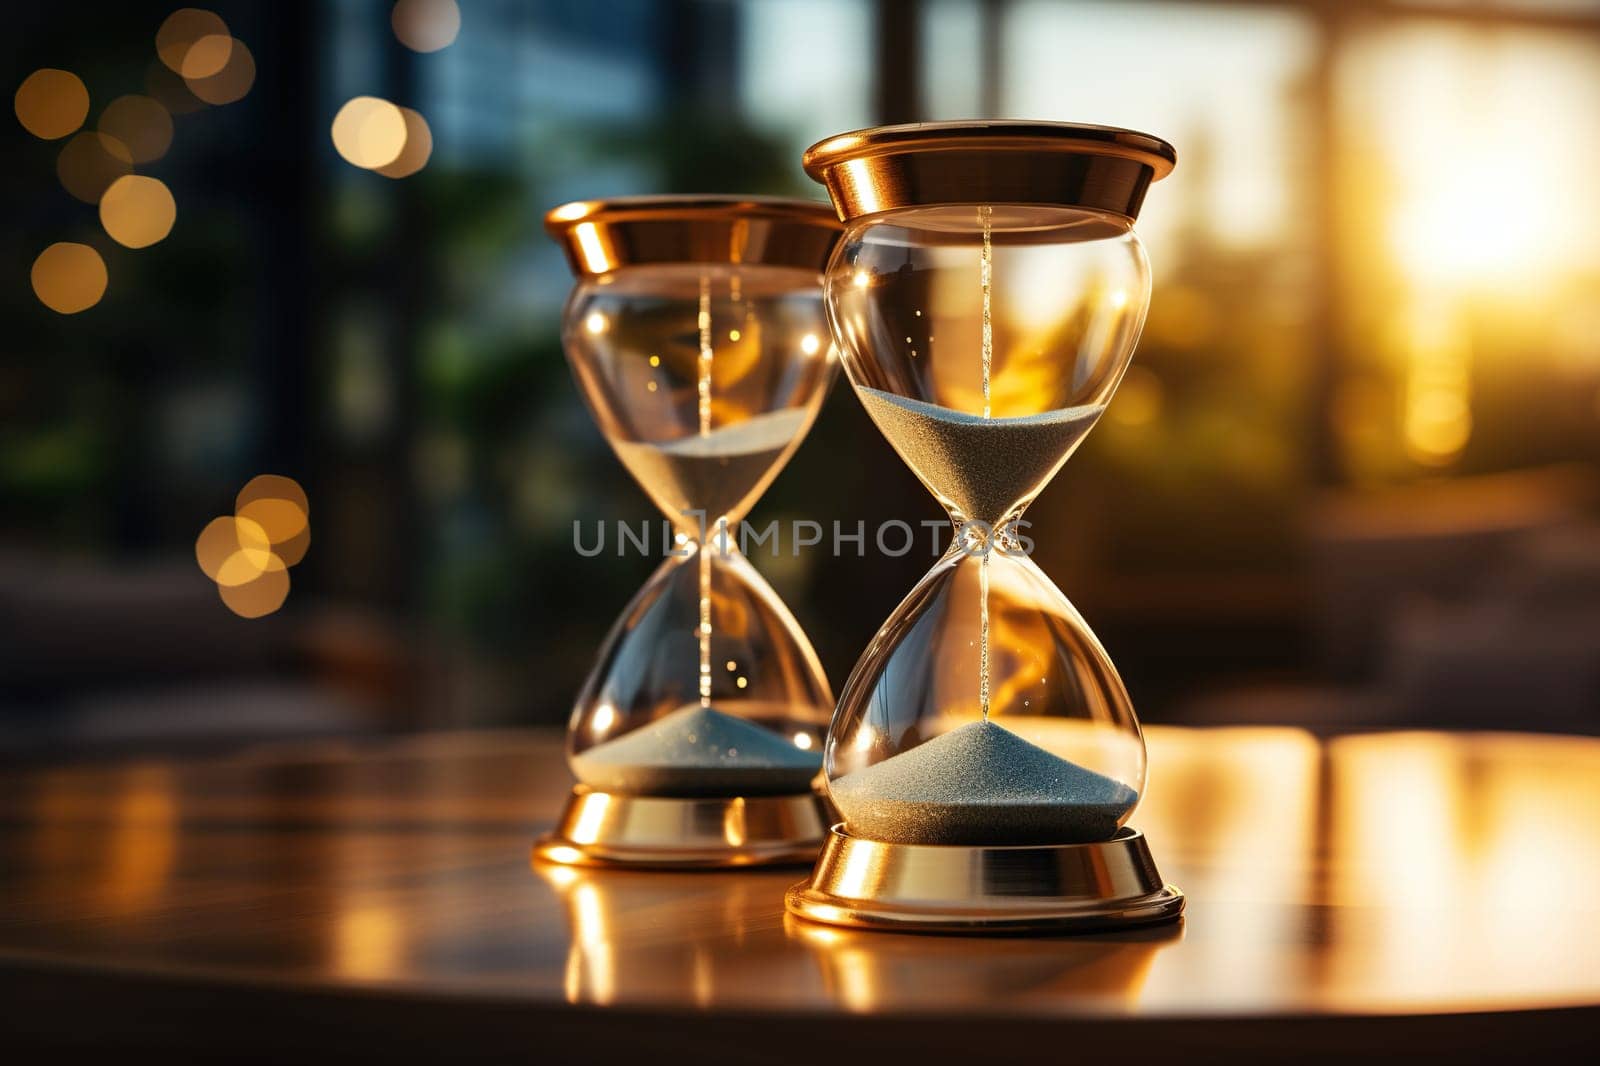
<point x="697" y="337"/>
<point x="986" y="299"/>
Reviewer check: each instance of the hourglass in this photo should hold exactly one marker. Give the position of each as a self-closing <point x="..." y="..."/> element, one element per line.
<point x="984" y="756"/>
<point x="697" y="336"/>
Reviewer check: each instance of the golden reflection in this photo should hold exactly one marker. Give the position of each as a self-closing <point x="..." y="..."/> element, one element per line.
<point x="866" y="971"/>
<point x="733" y="828"/>
<point x="143" y="840"/>
<point x="69" y="278"/>
<point x="1223" y="796"/>
<point x="141" y="123"/>
<point x="51" y="103"/>
<point x="591" y="816"/>
<point x="137" y="211"/>
<point x="369" y="943"/>
<point x="596" y="256"/>
<point x="666" y="935"/>
<point x="1457" y="869"/>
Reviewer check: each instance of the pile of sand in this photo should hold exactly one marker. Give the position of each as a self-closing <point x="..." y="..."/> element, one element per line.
<point x="981" y="784"/>
<point x="696" y="751"/>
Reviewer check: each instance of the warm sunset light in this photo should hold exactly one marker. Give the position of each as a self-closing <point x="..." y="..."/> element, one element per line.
<point x="973" y="530"/>
<point x="51" y="103"/>
<point x="69" y="278"/>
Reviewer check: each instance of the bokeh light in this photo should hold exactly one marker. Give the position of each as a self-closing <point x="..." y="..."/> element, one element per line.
<point x="229" y="536"/>
<point x="182" y="31"/>
<point x="426" y="25"/>
<point x="279" y="505"/>
<point x="141" y="123"/>
<point x="69" y="278"/>
<point x="418" y="147"/>
<point x="248" y="554"/>
<point x="51" y="103"/>
<point x="231" y="82"/>
<point x="90" y="162"/>
<point x="206" y="57"/>
<point x="259" y="597"/>
<point x="1139" y="398"/>
<point x="369" y="132"/>
<point x="137" y="211"/>
<point x="245" y="565"/>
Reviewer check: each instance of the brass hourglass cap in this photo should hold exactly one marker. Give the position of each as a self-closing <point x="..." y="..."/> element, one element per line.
<point x="600" y="236"/>
<point x="930" y="164"/>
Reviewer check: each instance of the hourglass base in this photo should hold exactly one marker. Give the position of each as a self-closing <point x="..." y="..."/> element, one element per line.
<point x="1058" y="888"/>
<point x="669" y="832"/>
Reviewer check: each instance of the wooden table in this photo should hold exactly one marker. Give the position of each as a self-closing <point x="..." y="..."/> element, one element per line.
<point x="1405" y="896"/>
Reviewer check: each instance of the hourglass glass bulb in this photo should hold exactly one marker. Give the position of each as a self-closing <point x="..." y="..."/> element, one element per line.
<point x="984" y="336"/>
<point x="693" y="337"/>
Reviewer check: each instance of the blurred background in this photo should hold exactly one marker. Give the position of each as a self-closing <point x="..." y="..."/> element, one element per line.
<point x="1351" y="481"/>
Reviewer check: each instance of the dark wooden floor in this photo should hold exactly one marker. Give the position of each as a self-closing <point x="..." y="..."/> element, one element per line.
<point x="1403" y="896"/>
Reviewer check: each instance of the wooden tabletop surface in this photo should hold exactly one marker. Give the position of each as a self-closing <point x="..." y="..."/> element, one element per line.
<point x="1387" y="894"/>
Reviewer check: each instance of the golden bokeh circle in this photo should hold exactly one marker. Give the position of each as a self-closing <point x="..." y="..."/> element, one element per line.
<point x="369" y="132"/>
<point x="245" y="565"/>
<point x="272" y="487"/>
<point x="206" y="56"/>
<point x="51" y="103"/>
<point x="69" y="278"/>
<point x="426" y="25"/>
<point x="280" y="506"/>
<point x="231" y="82"/>
<point x="141" y="123"/>
<point x="182" y="30"/>
<point x="283" y="520"/>
<point x="228" y="536"/>
<point x="259" y="597"/>
<point x="90" y="162"/>
<point x="137" y="211"/>
<point x="418" y="147"/>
